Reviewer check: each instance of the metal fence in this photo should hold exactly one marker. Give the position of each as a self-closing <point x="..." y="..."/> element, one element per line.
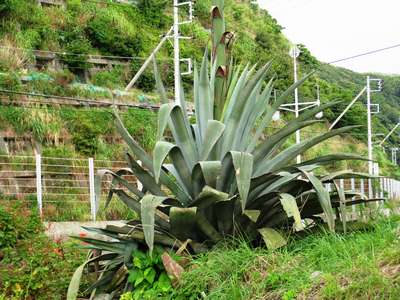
<point x="54" y="183"/>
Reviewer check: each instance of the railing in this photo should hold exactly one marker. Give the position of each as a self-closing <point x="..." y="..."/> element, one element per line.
<point x="63" y="188"/>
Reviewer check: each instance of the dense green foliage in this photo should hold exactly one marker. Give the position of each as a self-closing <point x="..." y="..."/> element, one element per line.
<point x="29" y="261"/>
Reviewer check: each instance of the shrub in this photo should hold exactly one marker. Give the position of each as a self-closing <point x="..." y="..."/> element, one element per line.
<point x="114" y="78"/>
<point x="146" y="81"/>
<point x="112" y="33"/>
<point x="30" y="261"/>
<point x="17" y="223"/>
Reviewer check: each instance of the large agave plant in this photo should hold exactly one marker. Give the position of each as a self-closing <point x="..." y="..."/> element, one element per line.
<point x="210" y="178"/>
<point x="216" y="175"/>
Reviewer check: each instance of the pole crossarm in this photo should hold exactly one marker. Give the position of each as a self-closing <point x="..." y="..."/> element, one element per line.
<point x="308" y="105"/>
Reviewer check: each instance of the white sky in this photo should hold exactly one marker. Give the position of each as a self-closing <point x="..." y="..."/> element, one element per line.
<point x="335" y="29"/>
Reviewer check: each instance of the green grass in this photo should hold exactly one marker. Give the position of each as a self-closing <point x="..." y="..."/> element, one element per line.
<point x="358" y="265"/>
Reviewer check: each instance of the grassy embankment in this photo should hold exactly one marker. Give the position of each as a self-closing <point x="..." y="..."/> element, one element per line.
<point x="363" y="264"/>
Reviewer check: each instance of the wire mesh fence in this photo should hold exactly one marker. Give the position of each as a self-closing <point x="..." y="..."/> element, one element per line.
<point x="62" y="189"/>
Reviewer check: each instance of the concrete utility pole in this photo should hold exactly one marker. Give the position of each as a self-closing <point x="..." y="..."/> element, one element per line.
<point x="369" y="133"/>
<point x="176" y="38"/>
<point x="174" y="34"/>
<point x="177" y="69"/>
<point x="294" y="53"/>
<point x="371" y="169"/>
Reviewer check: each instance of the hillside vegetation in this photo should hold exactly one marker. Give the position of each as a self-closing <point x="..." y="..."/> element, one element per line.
<point x="113" y="29"/>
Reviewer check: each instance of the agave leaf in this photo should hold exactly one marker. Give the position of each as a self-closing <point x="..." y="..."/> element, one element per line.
<point x="254" y="113"/>
<point x="240" y="127"/>
<point x="252" y="214"/>
<point x="279" y="137"/>
<point x="209" y="196"/>
<point x="164" y="114"/>
<point x="136" y="149"/>
<point x="237" y="165"/>
<point x="324" y="199"/>
<point x="272" y="238"/>
<point x="140" y="154"/>
<point x="231" y="102"/>
<point x="213" y="133"/>
<point x="330" y="158"/>
<point x="183" y="136"/>
<point x="75" y="282"/>
<point x="232" y="123"/>
<point x="149" y="206"/>
<point x="274" y="185"/>
<point x="281" y="159"/>
<point x="207" y="228"/>
<point x="276" y="140"/>
<point x="207" y="171"/>
<point x="342" y="206"/>
<point x="116" y="179"/>
<point x="205" y="99"/>
<point x="161" y="151"/>
<point x="289" y="204"/>
<point x="131" y="202"/>
<point x="343" y="174"/>
<point x="273" y="108"/>
<point x="109" y="233"/>
<point x="144" y="177"/>
<point x="183" y="222"/>
<point x="232" y="84"/>
<point x="92" y="243"/>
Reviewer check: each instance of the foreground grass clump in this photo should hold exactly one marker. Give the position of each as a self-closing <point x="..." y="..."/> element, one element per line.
<point x="358" y="265"/>
<point x="31" y="265"/>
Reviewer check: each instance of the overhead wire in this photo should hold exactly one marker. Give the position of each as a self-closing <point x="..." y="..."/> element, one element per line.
<point x="365" y="53"/>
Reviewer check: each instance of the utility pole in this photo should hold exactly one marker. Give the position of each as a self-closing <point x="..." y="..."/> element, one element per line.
<point x="177" y="62"/>
<point x="173" y="33"/>
<point x="176" y="38"/>
<point x="371" y="168"/>
<point x="369" y="136"/>
<point x="294" y="53"/>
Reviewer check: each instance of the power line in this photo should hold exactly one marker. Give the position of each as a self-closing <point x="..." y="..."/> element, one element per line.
<point x="365" y="53"/>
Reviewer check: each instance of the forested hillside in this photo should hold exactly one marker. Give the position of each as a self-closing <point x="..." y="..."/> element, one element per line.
<point x="128" y="33"/>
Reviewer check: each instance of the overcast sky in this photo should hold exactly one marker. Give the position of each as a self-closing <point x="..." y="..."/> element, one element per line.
<point x="334" y="29"/>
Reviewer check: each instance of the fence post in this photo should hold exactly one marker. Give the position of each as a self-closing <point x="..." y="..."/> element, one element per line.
<point x="92" y="195"/>
<point x="353" y="189"/>
<point x="362" y="186"/>
<point x="39" y="194"/>
<point x="391" y="188"/>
